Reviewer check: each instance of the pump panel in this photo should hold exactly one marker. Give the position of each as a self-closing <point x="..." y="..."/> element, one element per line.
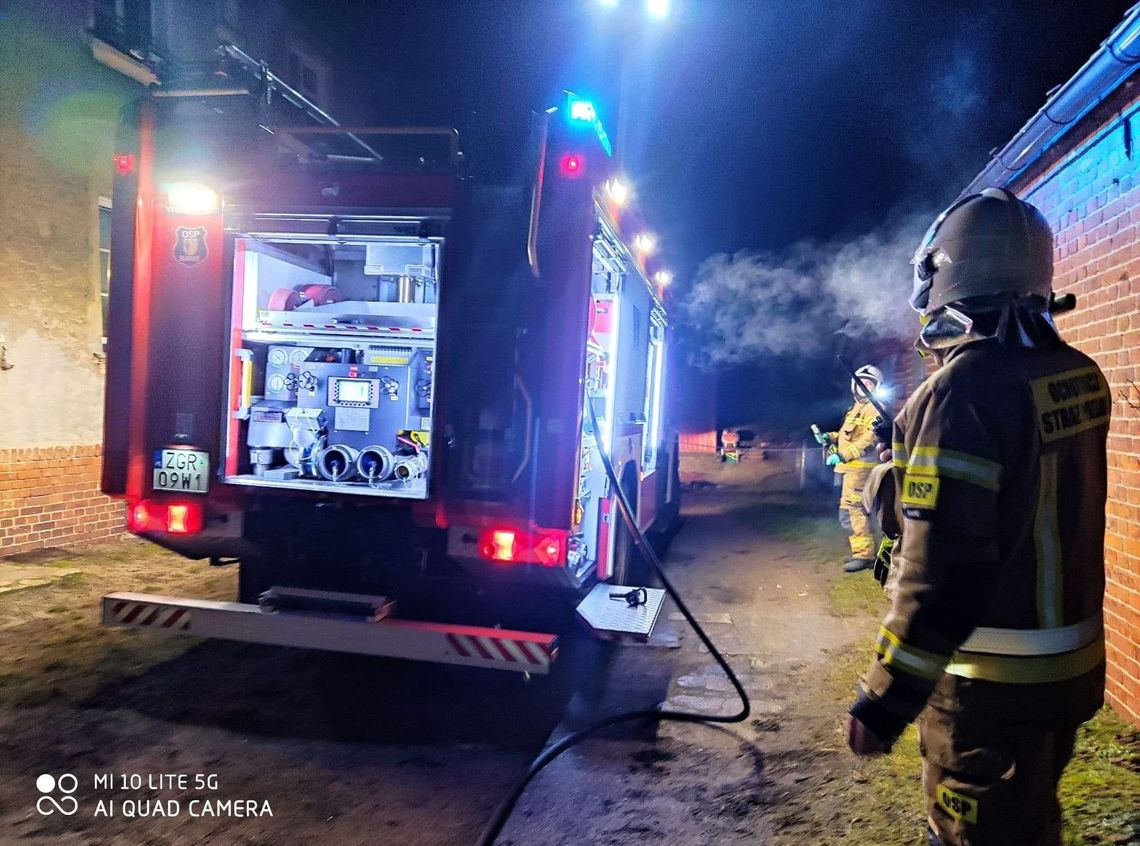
<point x="333" y="363"/>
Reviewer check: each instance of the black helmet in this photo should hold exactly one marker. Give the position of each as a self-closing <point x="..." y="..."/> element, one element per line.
<point x="987" y="243"/>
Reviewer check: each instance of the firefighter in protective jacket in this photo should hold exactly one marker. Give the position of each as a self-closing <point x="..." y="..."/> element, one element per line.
<point x="995" y="634"/>
<point x="853" y="457"/>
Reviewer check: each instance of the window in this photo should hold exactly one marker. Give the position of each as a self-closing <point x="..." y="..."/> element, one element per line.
<point x="104" y="260"/>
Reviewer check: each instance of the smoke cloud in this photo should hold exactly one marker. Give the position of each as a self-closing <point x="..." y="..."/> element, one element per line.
<point x="748" y="305"/>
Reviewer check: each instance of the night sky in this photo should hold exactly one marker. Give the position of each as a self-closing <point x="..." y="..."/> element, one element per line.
<point x="752" y="125"/>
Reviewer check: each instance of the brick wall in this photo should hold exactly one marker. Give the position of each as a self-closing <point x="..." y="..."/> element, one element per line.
<point x="698" y="441"/>
<point x="49" y="496"/>
<point x="1089" y="189"/>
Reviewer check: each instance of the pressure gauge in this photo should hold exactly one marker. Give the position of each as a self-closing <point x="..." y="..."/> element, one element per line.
<point x="277" y="356"/>
<point x="276" y="383"/>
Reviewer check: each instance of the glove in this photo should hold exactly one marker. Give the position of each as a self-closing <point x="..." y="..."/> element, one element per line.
<point x="822" y="438"/>
<point x="862" y="741"/>
<point x="884" y="429"/>
<point x="883" y="560"/>
<point x="833" y="459"/>
<point x="871" y="728"/>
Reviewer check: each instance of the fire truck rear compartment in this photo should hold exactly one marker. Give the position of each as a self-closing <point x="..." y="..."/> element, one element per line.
<point x="332" y="363"/>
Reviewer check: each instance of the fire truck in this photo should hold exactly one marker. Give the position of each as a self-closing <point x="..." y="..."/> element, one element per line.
<point x="378" y="387"/>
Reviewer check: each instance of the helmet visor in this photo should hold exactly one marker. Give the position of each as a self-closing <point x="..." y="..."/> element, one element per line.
<point x="924" y="271"/>
<point x="928" y="259"/>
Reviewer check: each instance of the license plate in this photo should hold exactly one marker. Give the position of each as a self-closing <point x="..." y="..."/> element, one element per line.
<point x="185" y="470"/>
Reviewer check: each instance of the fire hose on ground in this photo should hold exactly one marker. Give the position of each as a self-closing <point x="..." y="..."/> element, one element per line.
<point x="503" y="813"/>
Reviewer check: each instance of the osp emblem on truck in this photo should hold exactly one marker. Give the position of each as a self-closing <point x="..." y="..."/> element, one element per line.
<point x="190" y="245"/>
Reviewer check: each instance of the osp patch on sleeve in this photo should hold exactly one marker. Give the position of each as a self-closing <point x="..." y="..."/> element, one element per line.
<point x="920" y="491"/>
<point x="960" y="807"/>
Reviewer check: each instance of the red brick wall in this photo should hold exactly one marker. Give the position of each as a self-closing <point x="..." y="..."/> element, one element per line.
<point x="49" y="496"/>
<point x="1090" y="193"/>
<point x="698" y="441"/>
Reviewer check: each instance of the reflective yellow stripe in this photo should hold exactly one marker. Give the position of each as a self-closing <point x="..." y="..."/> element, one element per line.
<point x="863" y="462"/>
<point x="898" y="454"/>
<point x="917" y="662"/>
<point x="934" y="461"/>
<point x="1047" y="541"/>
<point x="1040" y="669"/>
<point x="1035" y="641"/>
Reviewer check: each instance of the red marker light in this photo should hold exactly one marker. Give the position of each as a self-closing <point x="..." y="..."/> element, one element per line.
<point x="176" y="518"/>
<point x="138" y="518"/>
<point x="124" y="164"/>
<point x="542" y="546"/>
<point x="572" y="165"/>
<point x="499" y="545"/>
<point x="548" y="550"/>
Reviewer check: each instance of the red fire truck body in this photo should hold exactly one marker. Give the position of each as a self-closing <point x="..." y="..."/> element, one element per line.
<point x="365" y="379"/>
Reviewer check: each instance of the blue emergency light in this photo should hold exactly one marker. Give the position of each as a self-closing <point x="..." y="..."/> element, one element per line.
<point x="582" y="112"/>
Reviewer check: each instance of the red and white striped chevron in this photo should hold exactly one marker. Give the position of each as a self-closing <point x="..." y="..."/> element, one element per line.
<point x="523" y="652"/>
<point x="147" y="615"/>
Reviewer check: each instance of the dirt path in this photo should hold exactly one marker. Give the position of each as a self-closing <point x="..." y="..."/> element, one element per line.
<point x="743" y="565"/>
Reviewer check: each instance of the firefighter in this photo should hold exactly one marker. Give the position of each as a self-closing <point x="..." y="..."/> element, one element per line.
<point x="994" y="640"/>
<point x="853" y="458"/>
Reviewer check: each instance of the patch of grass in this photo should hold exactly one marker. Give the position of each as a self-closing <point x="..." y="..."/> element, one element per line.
<point x="858" y="595"/>
<point x="55" y="649"/>
<point x="1100" y="791"/>
<point x="790" y="524"/>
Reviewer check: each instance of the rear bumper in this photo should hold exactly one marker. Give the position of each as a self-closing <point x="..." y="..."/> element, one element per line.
<point x="444" y="643"/>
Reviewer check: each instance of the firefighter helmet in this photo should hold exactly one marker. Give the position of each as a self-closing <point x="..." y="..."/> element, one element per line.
<point x="867" y="373"/>
<point x="987" y="243"/>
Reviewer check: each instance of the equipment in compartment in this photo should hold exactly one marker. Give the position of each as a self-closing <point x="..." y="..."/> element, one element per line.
<point x="410" y="467"/>
<point x="282" y="371"/>
<point x="352" y="416"/>
<point x="336" y="341"/>
<point x="290" y="299"/>
<point x="374" y="464"/>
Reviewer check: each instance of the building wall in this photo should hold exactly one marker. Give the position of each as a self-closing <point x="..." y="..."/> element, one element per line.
<point x="58" y="109"/>
<point x="58" y="113"/>
<point x="1089" y="189"/>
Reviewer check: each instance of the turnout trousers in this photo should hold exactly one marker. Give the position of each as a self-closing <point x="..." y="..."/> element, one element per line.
<point x="851" y="514"/>
<point x="995" y="787"/>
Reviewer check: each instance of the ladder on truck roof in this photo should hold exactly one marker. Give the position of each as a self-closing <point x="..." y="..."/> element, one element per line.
<point x="302" y="126"/>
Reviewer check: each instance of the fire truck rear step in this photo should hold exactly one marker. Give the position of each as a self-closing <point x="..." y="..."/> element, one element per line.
<point x="370" y="608"/>
<point x="447" y="643"/>
<point x="609" y="616"/>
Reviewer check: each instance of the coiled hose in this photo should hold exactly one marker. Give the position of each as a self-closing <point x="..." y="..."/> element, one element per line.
<point x="503" y="813"/>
